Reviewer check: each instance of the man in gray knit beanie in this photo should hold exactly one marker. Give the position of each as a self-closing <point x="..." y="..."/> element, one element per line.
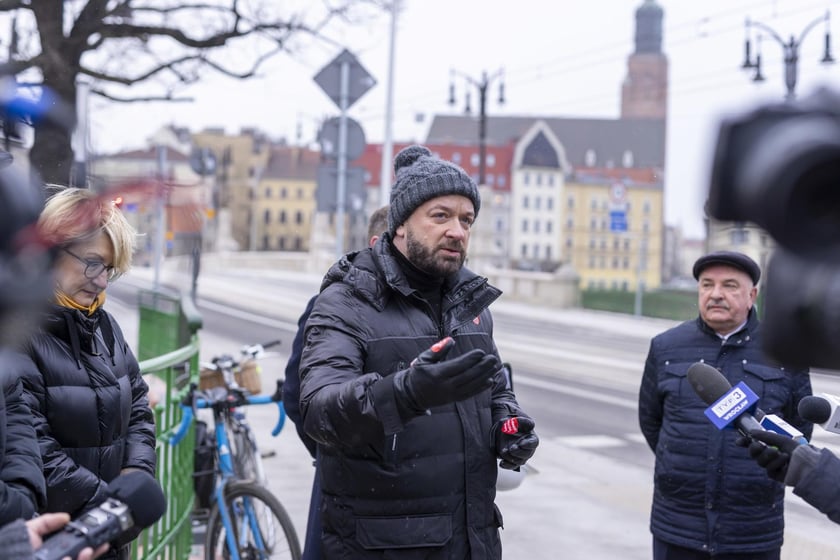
<point x="398" y="354"/>
<point x="420" y="176"/>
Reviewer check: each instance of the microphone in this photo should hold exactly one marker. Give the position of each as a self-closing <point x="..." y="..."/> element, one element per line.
<point x="135" y="500"/>
<point x="822" y="409"/>
<point x="727" y="405"/>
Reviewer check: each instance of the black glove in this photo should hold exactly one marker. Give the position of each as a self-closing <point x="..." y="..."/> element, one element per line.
<point x="428" y="383"/>
<point x="516" y="441"/>
<point x="770" y="450"/>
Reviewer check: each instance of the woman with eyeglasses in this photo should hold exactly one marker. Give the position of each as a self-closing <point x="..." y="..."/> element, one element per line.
<point x="81" y="379"/>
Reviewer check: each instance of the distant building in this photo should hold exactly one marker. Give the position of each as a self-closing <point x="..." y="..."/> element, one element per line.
<point x="564" y="204"/>
<point x="137" y="176"/>
<point x="282" y="202"/>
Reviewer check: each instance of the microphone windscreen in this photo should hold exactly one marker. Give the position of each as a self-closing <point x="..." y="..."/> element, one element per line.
<point x="142" y="494"/>
<point x="708" y="383"/>
<point x="814" y="409"/>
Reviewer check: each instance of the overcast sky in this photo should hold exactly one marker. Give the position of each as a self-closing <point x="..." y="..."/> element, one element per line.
<point x="559" y="58"/>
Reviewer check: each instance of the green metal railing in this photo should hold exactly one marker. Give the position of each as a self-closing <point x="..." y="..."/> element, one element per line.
<point x="169" y="328"/>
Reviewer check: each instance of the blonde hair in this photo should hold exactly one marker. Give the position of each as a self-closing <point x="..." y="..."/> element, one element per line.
<point x="73" y="215"/>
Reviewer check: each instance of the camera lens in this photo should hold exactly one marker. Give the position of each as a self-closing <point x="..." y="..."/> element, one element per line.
<point x="791" y="177"/>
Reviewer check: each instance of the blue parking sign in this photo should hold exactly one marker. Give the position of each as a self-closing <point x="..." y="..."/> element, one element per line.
<point x="618" y="220"/>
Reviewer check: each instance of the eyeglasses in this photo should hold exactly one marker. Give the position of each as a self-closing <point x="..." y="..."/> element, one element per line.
<point x="94" y="268"/>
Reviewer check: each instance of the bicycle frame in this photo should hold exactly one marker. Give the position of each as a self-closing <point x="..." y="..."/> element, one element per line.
<point x="226" y="473"/>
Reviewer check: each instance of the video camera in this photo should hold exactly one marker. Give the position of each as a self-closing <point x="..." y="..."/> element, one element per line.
<point x="778" y="166"/>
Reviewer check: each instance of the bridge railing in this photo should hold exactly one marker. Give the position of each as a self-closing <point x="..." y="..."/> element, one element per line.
<point x="168" y="351"/>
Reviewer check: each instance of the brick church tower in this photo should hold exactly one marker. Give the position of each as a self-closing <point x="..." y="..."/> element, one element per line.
<point x="644" y="94"/>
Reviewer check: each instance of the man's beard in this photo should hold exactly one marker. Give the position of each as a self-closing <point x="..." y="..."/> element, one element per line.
<point x="428" y="260"/>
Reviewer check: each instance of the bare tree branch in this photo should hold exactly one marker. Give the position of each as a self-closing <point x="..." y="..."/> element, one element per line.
<point x="169" y="98"/>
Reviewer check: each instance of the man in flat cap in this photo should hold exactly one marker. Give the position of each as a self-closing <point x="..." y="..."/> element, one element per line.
<point x="408" y="450"/>
<point x="710" y="499"/>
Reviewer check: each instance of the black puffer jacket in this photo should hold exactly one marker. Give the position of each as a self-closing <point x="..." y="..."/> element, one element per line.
<point x="22" y="489"/>
<point x="709" y="494"/>
<point x="90" y="407"/>
<point x="426" y="488"/>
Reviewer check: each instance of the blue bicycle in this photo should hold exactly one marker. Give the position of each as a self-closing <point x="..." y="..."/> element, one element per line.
<point x="246" y="522"/>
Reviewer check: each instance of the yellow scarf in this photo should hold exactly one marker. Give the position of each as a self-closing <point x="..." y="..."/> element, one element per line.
<point x="64" y="300"/>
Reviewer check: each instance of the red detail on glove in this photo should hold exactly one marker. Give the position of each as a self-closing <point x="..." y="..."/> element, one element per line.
<point x="510" y="426"/>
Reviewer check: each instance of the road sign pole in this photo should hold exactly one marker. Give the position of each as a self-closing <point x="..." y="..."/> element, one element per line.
<point x="342" y="159"/>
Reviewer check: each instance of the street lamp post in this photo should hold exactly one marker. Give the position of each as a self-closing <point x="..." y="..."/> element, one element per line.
<point x="790" y="48"/>
<point x="482" y="86"/>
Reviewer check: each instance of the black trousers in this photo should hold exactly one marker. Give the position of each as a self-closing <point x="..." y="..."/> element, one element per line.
<point x="668" y="551"/>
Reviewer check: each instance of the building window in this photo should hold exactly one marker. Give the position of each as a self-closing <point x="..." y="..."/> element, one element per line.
<point x="570" y="224"/>
<point x="646" y="207"/>
<point x="298" y="243"/>
<point x="300" y="194"/>
<point x="490" y="160"/>
<point x="569" y="242"/>
<point x="284" y="193"/>
<point x="549" y="203"/>
<point x="282" y="216"/>
<point x="591" y="243"/>
<point x="489" y="179"/>
<point x="539" y="179"/>
<point x="501" y="181"/>
<point x="551" y="179"/>
<point x="627" y="159"/>
<point x="268" y="192"/>
<point x="267" y="217"/>
<point x="265" y="242"/>
<point x="500" y="225"/>
<point x="524" y="251"/>
<point x="537" y="203"/>
<point x="548" y="252"/>
<point x="456" y="157"/>
<point x="524" y="226"/>
<point x="593" y="204"/>
<point x="536" y="226"/>
<point x="298" y="217"/>
<point x="525" y="201"/>
<point x="591" y="261"/>
<point x="526" y="178"/>
<point x="593" y="224"/>
<point x="548" y="226"/>
<point x="589" y="158"/>
<point x="281" y="243"/>
<point x="475" y="160"/>
<point x="570" y="203"/>
<point x="536" y="251"/>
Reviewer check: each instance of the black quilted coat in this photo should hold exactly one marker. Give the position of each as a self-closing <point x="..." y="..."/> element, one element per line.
<point x="420" y="489"/>
<point x="89" y="405"/>
<point x="22" y="490"/>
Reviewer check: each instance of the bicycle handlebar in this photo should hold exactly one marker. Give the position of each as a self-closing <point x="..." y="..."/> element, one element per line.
<point x="190" y="403"/>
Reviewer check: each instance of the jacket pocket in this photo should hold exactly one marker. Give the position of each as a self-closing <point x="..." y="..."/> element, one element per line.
<point x="770" y="384"/>
<point x="380" y="533"/>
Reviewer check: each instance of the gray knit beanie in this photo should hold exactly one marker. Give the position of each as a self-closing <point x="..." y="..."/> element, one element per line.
<point x="420" y="176"/>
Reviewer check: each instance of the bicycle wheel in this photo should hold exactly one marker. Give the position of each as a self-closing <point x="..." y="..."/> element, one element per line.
<point x="260" y="525"/>
<point x="247" y="462"/>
